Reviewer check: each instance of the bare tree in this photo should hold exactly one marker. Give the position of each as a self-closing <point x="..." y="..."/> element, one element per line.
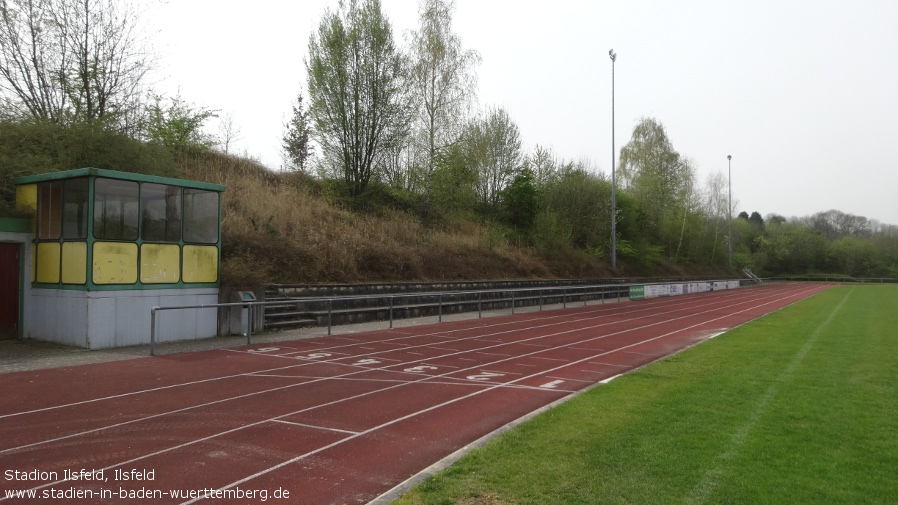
<point x="442" y="79"/>
<point x="716" y="208"/>
<point x="33" y="58"/>
<point x="688" y="200"/>
<point x="228" y="132"/>
<point x="77" y="60"/>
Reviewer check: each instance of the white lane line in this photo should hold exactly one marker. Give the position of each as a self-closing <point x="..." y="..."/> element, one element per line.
<point x="607" y="364"/>
<point x="324" y="428"/>
<point x="709" y="481"/>
<point x="609" y="379"/>
<point x="569" y="379"/>
<point x="312" y="354"/>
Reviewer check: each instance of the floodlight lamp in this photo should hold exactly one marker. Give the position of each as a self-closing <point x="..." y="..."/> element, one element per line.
<point x="729" y="157"/>
<point x="612" y="54"/>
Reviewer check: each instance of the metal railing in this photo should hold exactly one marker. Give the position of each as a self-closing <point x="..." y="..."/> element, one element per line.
<point x="444" y="302"/>
<point x="838" y="279"/>
<point x="518" y="298"/>
<point x="155" y="310"/>
<point x="392" y="303"/>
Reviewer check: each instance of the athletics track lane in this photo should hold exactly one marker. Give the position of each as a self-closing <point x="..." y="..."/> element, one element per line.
<point x="334" y="419"/>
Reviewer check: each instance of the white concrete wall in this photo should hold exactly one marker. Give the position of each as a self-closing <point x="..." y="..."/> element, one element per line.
<point x="100" y="319"/>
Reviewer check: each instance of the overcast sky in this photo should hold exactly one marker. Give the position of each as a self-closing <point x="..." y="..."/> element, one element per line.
<point x="802" y="93"/>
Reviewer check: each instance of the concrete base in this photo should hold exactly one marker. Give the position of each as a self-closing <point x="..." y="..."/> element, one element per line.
<point x="102" y="319"/>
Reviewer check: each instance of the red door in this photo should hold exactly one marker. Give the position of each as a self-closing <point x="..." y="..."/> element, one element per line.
<point x="9" y="290"/>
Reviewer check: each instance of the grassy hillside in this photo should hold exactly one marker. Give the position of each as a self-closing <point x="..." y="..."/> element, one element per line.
<point x="282" y="227"/>
<point x="279" y="227"/>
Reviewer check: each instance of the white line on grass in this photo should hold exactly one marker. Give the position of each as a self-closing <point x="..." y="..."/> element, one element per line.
<point x="709" y="482"/>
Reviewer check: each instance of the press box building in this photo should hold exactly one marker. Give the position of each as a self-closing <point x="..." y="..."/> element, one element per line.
<point x="107" y="246"/>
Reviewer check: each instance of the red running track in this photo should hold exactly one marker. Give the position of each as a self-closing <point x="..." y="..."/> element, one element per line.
<point x="337" y="419"/>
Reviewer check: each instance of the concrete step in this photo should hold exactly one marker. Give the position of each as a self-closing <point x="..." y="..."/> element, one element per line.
<point x="291" y="323"/>
<point x="295" y="305"/>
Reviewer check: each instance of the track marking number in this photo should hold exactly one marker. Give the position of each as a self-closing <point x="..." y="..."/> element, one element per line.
<point x="485" y="376"/>
<point x="316" y="355"/>
<point x="265" y="349"/>
<point x="420" y="369"/>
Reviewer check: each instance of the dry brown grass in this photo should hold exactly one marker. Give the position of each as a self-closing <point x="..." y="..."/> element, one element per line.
<point x="278" y="228"/>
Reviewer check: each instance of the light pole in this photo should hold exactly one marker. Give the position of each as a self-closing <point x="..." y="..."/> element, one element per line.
<point x="730" y="208"/>
<point x="613" y="56"/>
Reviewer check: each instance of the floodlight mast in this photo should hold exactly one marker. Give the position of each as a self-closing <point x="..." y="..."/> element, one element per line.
<point x="613" y="57"/>
<point x="730" y="209"/>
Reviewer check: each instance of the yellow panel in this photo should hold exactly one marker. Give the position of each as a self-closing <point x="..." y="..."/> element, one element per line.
<point x="200" y="263"/>
<point x="48" y="262"/>
<point x="26" y="197"/>
<point x="74" y="262"/>
<point x="160" y="263"/>
<point x="115" y="263"/>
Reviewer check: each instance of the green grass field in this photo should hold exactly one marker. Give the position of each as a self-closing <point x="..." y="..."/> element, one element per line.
<point x="798" y="407"/>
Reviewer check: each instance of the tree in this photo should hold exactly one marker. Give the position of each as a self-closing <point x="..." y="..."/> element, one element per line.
<point x="756" y="219"/>
<point x="442" y="80"/>
<point x="72" y="60"/>
<point x="295" y="141"/>
<point x="659" y="179"/>
<point x="581" y="201"/>
<point x="688" y="202"/>
<point x="717" y="211"/>
<point x="229" y="132"/>
<point x="544" y="165"/>
<point x="356" y="88"/>
<point x="32" y="60"/>
<point x="519" y="200"/>
<point x="178" y="125"/>
<point x="493" y="146"/>
<point x="453" y="189"/>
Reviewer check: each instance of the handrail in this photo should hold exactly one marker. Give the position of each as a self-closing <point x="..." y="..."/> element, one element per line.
<point x="563" y="291"/>
<point x="825" y="278"/>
